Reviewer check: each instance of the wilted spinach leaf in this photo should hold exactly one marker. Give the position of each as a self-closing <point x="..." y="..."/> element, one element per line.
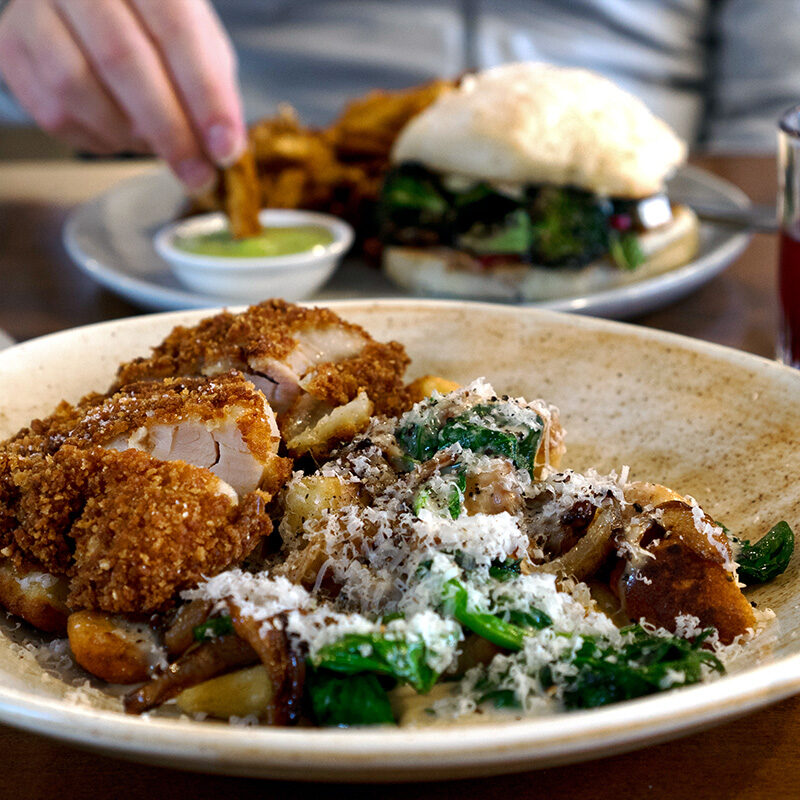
<point x="406" y="661"/>
<point x="351" y="700"/>
<point x="768" y="557"/>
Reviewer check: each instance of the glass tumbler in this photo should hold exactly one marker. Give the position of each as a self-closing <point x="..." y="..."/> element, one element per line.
<point x="789" y="219"/>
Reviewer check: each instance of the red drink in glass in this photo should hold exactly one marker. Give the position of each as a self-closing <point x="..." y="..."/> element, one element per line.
<point x="789" y="218"/>
<point x="789" y="289"/>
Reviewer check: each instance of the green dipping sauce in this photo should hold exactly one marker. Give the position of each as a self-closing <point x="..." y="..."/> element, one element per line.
<point x="277" y="241"/>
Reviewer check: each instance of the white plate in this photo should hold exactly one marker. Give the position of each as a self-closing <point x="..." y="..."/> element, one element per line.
<point x="715" y="423"/>
<point x="111" y="239"/>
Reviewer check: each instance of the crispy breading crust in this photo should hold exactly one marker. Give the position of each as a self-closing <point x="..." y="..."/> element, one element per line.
<point x="174" y="400"/>
<point x="8" y="499"/>
<point x="45" y="436"/>
<point x="376" y="370"/>
<point x="47" y="499"/>
<point x="131" y="530"/>
<point x="171" y="401"/>
<point x="141" y="529"/>
<point x="41" y="438"/>
<point x="230" y="341"/>
<point x="267" y="331"/>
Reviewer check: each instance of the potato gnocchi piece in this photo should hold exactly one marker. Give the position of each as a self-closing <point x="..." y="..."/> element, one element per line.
<point x="303" y="566"/>
<point x="114" y="648"/>
<point x="247" y="692"/>
<point x="425" y="386"/>
<point x="688" y="568"/>
<point x="38" y="597"/>
<point x="308" y="501"/>
<point x="311" y="499"/>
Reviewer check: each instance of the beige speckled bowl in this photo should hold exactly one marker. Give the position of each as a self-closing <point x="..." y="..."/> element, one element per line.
<point x="717" y="424"/>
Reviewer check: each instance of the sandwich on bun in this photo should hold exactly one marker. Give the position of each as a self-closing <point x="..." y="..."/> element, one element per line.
<point x="531" y="182"/>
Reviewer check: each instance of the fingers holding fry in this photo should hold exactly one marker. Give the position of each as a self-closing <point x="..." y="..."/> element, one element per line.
<point x="338" y="170"/>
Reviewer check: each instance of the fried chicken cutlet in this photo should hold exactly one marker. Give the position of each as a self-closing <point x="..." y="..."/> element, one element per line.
<point x="136" y="497"/>
<point x="307" y="361"/>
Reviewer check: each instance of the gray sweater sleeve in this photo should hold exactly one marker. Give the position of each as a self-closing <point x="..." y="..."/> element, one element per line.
<point x="755" y="73"/>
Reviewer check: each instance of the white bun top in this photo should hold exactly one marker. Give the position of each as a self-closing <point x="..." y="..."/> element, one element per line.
<point x="538" y="123"/>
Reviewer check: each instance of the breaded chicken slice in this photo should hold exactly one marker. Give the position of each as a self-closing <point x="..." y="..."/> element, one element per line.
<point x="41" y="438"/>
<point x="131" y="531"/>
<point x="307" y="361"/>
<point x="45" y="436"/>
<point x="173" y="474"/>
<point x="223" y="424"/>
<point x="151" y="529"/>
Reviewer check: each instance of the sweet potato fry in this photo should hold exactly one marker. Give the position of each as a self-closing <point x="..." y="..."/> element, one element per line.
<point x="243" y="196"/>
<point x="338" y="169"/>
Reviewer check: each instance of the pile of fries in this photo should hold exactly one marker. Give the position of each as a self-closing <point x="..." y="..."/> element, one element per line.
<point x="338" y="169"/>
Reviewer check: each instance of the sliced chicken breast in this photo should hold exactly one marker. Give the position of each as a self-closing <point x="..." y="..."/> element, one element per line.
<point x="223" y="424"/>
<point x="128" y="530"/>
<point x="306" y="361"/>
<point x="137" y="496"/>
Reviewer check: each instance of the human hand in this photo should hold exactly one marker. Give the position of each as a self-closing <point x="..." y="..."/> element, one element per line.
<point x="144" y="75"/>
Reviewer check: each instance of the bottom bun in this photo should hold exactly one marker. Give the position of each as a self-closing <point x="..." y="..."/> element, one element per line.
<point x="446" y="272"/>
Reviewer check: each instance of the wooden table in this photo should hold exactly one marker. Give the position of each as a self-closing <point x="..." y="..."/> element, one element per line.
<point x="757" y="756"/>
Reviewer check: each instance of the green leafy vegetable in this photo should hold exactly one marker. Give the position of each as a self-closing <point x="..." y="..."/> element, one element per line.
<point x="413" y="191"/>
<point x="645" y="664"/>
<point x="405" y="661"/>
<point x="345" y="701"/>
<point x="570" y="227"/>
<point x="508" y="633"/>
<point x="420" y="500"/>
<point x="534" y="618"/>
<point x="505" y="570"/>
<point x="626" y="250"/>
<point x="498" y="436"/>
<point x="478" y="438"/>
<point x="457" y="494"/>
<point x="487" y="626"/>
<point x="600" y="673"/>
<point x="424" y="568"/>
<point x="420" y="441"/>
<point x="475" y="194"/>
<point x="500" y="698"/>
<point x="724" y="527"/>
<point x="768" y="557"/>
<point x="210" y="629"/>
<point x="511" y="235"/>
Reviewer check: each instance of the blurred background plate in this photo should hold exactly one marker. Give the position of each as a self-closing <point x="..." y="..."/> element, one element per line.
<point x="111" y="239"/>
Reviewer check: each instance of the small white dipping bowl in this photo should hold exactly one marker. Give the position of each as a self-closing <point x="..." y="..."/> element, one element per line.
<point x="292" y="277"/>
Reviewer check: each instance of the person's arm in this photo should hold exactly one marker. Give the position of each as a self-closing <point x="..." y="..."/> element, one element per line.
<point x="152" y="75"/>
